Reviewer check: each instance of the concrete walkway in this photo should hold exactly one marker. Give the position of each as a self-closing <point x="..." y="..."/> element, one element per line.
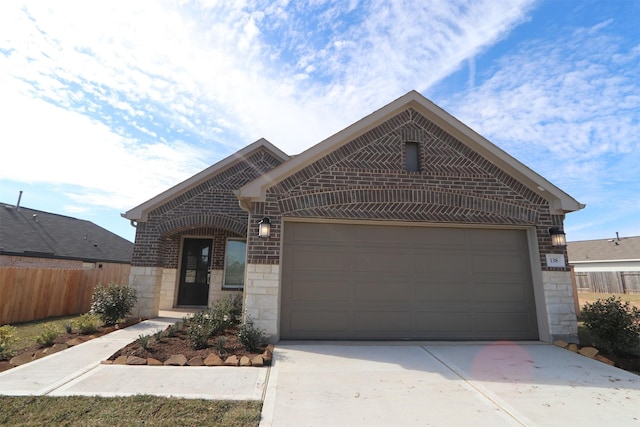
<point x="77" y="371"/>
<point x="445" y="384"/>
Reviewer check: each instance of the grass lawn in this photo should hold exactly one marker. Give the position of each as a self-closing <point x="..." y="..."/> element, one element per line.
<point x="28" y="331"/>
<point x="130" y="411"/>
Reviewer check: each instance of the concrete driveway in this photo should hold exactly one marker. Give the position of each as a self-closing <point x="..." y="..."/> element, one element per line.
<point x="445" y="384"/>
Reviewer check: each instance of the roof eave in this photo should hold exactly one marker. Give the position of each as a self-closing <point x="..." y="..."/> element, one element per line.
<point x="141" y="212"/>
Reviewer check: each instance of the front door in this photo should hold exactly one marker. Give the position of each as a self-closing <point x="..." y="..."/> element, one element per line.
<point x="195" y="271"/>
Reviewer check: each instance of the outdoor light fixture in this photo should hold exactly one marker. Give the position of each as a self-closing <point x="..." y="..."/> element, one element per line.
<point x="558" y="238"/>
<point x="264" y="229"/>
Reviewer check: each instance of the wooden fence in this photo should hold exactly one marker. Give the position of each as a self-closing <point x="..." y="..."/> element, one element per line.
<point x="621" y="282"/>
<point x="37" y="293"/>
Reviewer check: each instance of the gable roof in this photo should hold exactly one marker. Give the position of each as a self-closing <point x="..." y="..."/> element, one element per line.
<point x="140" y="213"/>
<point x="622" y="249"/>
<point x="559" y="201"/>
<point x="34" y="233"/>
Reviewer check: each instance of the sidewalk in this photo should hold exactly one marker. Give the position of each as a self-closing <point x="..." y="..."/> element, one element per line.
<point x="77" y="371"/>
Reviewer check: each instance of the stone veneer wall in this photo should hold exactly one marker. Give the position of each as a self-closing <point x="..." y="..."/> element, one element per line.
<point x="262" y="290"/>
<point x="558" y="292"/>
<point x="146" y="281"/>
<point x="365" y="179"/>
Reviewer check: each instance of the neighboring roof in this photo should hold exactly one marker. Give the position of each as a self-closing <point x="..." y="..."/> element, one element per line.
<point x="139" y="213"/>
<point x="560" y="202"/>
<point x="30" y="232"/>
<point x="616" y="249"/>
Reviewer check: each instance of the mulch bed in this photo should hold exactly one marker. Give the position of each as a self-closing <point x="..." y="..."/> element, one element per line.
<point x="179" y="344"/>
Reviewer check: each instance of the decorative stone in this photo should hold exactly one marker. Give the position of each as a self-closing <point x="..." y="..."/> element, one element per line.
<point x="107" y="362"/>
<point x="270" y="348"/>
<point x="267" y="356"/>
<point x="195" y="361"/>
<point x="257" y="361"/>
<point x="561" y="343"/>
<point x="213" y="360"/>
<point x="56" y="348"/>
<point x="605" y="360"/>
<point x="573" y="347"/>
<point x="75" y="341"/>
<point x="135" y="360"/>
<point x="120" y="360"/>
<point x="232" y="361"/>
<point x="245" y="361"/>
<point x="176" y="360"/>
<point x="153" y="362"/>
<point x="39" y="354"/>
<point x="589" y="352"/>
<point x="21" y="359"/>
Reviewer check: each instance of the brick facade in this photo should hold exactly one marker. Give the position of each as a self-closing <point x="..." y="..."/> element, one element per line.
<point x="366" y="179"/>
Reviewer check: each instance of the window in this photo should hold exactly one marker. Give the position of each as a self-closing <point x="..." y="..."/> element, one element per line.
<point x="234" y="262"/>
<point x="412" y="156"/>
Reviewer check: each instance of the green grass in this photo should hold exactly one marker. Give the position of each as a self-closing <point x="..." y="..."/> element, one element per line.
<point x="131" y="411"/>
<point x="27" y="332"/>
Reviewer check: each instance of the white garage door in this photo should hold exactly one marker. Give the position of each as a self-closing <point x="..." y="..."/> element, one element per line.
<point x="347" y="281"/>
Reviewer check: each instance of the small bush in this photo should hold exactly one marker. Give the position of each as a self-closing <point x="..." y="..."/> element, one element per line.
<point x="227" y="310"/>
<point x="613" y="325"/>
<point x="159" y="335"/>
<point x="68" y="327"/>
<point x="143" y="340"/>
<point x="251" y="337"/>
<point x="113" y="302"/>
<point x="222" y="341"/>
<point x="7" y="338"/>
<point x="198" y="335"/>
<point x="172" y="330"/>
<point x="87" y="323"/>
<point x="48" y="335"/>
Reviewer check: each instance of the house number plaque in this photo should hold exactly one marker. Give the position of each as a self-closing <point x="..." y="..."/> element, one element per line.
<point x="555" y="260"/>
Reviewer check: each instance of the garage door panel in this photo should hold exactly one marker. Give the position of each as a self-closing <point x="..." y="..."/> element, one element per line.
<point x="318" y="321"/>
<point x="394" y="282"/>
<point x="375" y="292"/>
<point x="320" y="289"/>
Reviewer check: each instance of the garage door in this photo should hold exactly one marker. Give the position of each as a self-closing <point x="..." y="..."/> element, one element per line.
<point x="347" y="281"/>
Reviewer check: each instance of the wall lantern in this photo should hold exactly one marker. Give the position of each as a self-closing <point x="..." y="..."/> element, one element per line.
<point x="558" y="238"/>
<point x="264" y="229"/>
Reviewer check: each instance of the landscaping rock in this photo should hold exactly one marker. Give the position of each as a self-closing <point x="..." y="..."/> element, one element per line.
<point x="257" y="361"/>
<point x="107" y="362"/>
<point x="21" y="359"/>
<point x="589" y="352"/>
<point x="270" y="348"/>
<point x="176" y="360"/>
<point x="76" y="341"/>
<point x="195" y="361"/>
<point x="135" y="360"/>
<point x="153" y="362"/>
<point x="245" y="361"/>
<point x="605" y="360"/>
<point x="267" y="355"/>
<point x="120" y="360"/>
<point x="232" y="361"/>
<point x="56" y="348"/>
<point x="39" y="354"/>
<point x="561" y="343"/>
<point x="573" y="347"/>
<point x="213" y="360"/>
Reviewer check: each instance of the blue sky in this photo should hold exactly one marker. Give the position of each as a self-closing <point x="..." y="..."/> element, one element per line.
<point x="106" y="104"/>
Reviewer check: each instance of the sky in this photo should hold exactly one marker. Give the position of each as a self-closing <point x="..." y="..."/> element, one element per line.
<point x="105" y="104"/>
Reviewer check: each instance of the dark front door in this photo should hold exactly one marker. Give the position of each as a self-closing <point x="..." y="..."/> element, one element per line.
<point x="194" y="274"/>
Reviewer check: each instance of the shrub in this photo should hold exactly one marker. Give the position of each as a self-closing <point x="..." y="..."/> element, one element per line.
<point x="251" y="337"/>
<point x="198" y="335"/>
<point x="48" y="335"/>
<point x="87" y="323"/>
<point x="222" y="341"/>
<point x="159" y="335"/>
<point x="7" y="338"/>
<point x="172" y="330"/>
<point x="68" y="327"/>
<point x="113" y="302"/>
<point x="143" y="340"/>
<point x="227" y="310"/>
<point x="614" y="326"/>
